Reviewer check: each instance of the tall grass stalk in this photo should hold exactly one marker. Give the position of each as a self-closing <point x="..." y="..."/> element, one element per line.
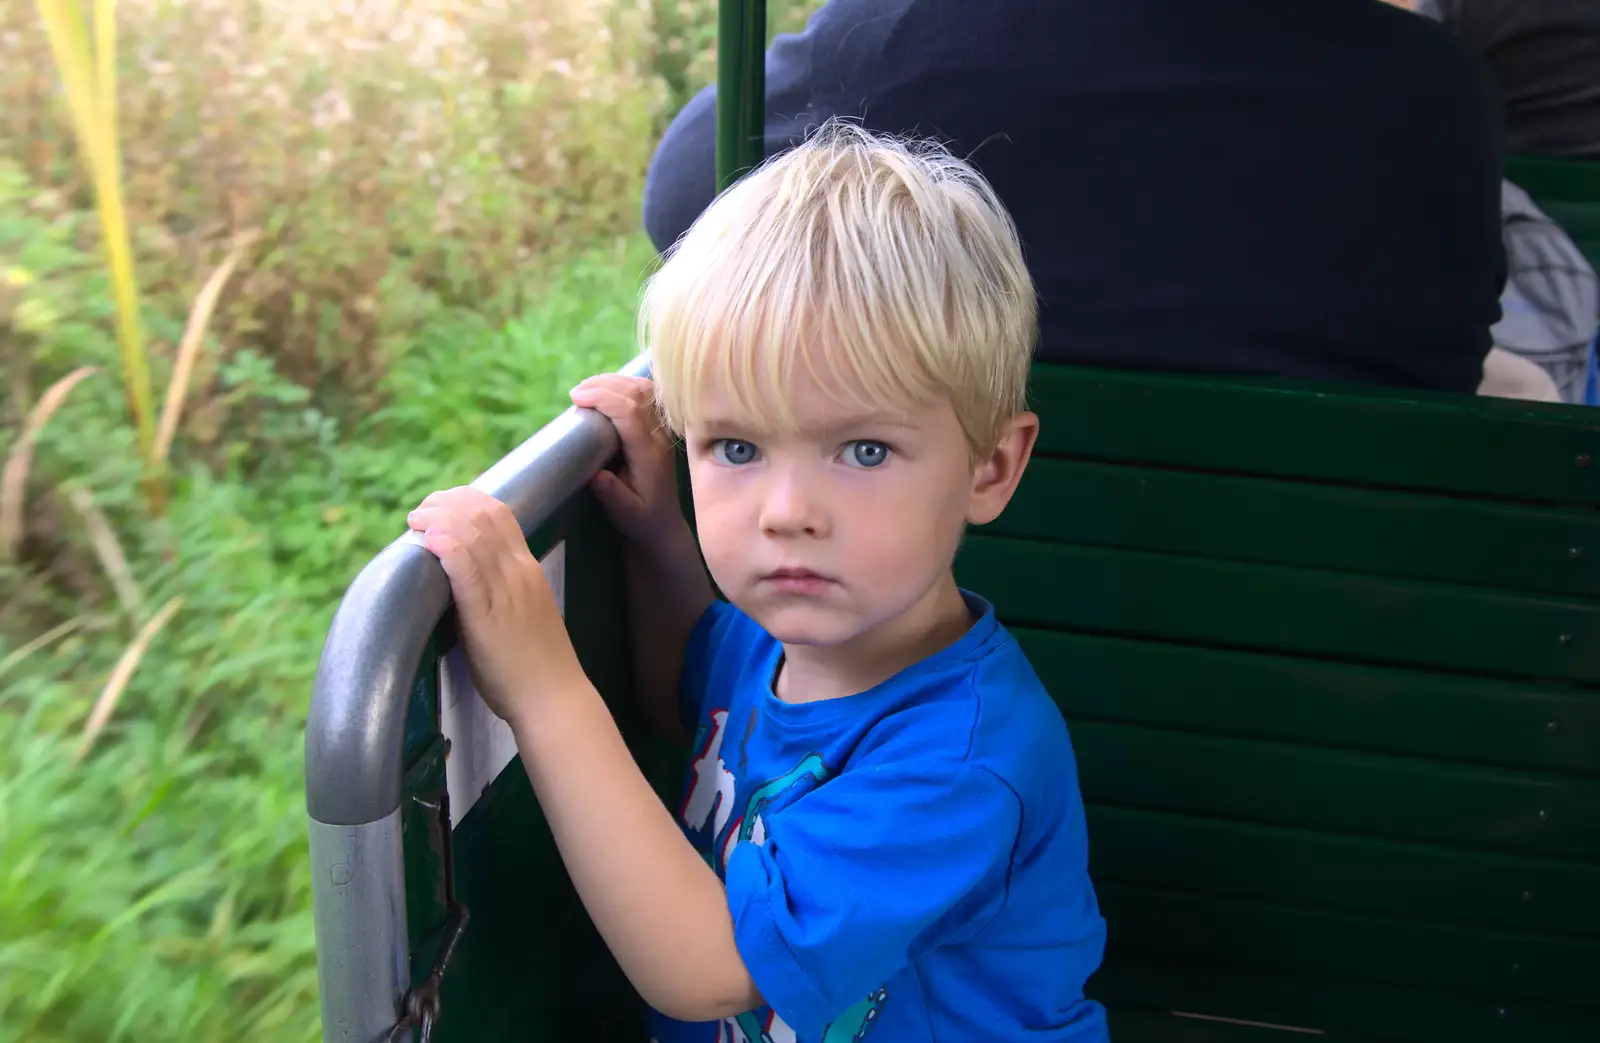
<point x="88" y="74"/>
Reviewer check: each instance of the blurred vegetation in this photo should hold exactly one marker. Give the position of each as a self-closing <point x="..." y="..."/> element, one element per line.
<point x="369" y="245"/>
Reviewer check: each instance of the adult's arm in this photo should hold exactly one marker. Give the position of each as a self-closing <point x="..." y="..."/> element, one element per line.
<point x="805" y="72"/>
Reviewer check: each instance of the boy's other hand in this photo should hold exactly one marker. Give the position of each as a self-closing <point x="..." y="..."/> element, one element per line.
<point x="642" y="499"/>
<point x="516" y="642"/>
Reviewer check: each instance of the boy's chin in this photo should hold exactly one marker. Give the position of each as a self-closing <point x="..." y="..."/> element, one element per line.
<point x="805" y="623"/>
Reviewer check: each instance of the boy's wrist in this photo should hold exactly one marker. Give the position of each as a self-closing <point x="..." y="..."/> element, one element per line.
<point x="558" y="708"/>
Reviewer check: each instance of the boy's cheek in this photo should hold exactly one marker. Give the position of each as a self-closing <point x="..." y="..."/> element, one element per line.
<point x="720" y="543"/>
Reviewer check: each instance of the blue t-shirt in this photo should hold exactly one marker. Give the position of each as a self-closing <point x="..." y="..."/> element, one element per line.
<point x="907" y="863"/>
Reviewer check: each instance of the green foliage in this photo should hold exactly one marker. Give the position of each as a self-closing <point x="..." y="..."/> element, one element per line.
<point x="389" y="157"/>
<point x="160" y="889"/>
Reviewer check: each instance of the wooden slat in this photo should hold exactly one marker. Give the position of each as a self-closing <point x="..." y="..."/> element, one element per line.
<point x="1296" y="866"/>
<point x="1135" y="1025"/>
<point x="1581" y="221"/>
<point x="1337" y="1006"/>
<point x="1568" y="191"/>
<point x="1553" y="178"/>
<point x="1526" y="724"/>
<point x="1274" y="608"/>
<point x="1365" y="794"/>
<point x="1385" y="533"/>
<point x="1153" y="924"/>
<point x="1493" y="448"/>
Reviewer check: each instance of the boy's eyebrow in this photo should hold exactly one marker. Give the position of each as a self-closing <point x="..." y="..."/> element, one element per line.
<point x="831" y="425"/>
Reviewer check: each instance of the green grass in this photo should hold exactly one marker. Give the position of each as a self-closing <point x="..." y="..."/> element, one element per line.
<point x="160" y="889"/>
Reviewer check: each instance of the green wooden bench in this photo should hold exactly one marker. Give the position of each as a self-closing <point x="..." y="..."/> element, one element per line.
<point x="1330" y="657"/>
<point x="1567" y="191"/>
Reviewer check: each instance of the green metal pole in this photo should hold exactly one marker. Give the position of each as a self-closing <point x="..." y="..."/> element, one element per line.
<point x="741" y="87"/>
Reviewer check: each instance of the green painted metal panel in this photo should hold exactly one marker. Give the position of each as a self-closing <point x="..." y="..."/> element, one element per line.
<point x="530" y="967"/>
<point x="422" y="710"/>
<point x="1495" y="448"/>
<point x="1273" y="608"/>
<point x="1292" y="865"/>
<point x="1526" y="724"/>
<point x="1511" y="546"/>
<point x="741" y="87"/>
<point x="1340" y="1006"/>
<point x="1491" y="809"/>
<point x="1149" y="923"/>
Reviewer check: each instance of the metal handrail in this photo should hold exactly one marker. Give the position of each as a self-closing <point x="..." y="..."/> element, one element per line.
<point x="355" y="732"/>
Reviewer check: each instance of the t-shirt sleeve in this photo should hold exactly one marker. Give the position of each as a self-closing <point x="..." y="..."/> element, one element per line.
<point x="862" y="875"/>
<point x="717" y="628"/>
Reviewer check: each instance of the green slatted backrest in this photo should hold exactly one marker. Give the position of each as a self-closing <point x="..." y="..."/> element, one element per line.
<point x="1568" y="191"/>
<point x="1332" y="666"/>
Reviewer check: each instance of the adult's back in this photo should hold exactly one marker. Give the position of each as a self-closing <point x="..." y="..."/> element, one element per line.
<point x="1305" y="189"/>
<point x="1544" y="59"/>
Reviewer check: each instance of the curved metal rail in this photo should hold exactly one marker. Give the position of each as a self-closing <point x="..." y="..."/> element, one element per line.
<point x="356" y="730"/>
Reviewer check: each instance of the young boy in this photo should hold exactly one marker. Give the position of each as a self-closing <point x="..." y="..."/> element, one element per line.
<point x="881" y="836"/>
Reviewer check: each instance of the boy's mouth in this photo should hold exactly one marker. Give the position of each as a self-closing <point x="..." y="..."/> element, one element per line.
<point x="797" y="581"/>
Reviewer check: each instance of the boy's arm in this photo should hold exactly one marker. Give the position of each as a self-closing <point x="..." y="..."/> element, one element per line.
<point x="668" y="592"/>
<point x="668" y="589"/>
<point x="660" y="908"/>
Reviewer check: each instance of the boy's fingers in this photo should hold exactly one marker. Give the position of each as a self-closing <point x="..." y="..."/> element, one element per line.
<point x="477" y="521"/>
<point x="462" y="523"/>
<point x="621" y="402"/>
<point x="619" y="408"/>
<point x="613" y="492"/>
<point x="636" y="421"/>
<point x="466" y="576"/>
<point x="507" y="527"/>
<point x="427" y="517"/>
<point x="620" y="382"/>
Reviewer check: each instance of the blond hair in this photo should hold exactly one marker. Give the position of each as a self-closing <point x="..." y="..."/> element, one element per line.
<point x="886" y="267"/>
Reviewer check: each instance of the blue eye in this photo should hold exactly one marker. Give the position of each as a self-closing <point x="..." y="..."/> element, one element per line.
<point x="866" y="454"/>
<point x="733" y="452"/>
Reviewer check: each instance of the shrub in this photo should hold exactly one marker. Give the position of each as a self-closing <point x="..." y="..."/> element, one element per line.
<point x="390" y="156"/>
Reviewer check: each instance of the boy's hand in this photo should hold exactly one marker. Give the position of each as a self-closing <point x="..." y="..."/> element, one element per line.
<point x="516" y="642"/>
<point x="642" y="499"/>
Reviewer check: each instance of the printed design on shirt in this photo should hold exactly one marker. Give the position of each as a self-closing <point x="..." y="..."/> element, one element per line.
<point x="710" y="782"/>
<point x="709" y="801"/>
<point x="750" y="826"/>
<point x="849" y="1027"/>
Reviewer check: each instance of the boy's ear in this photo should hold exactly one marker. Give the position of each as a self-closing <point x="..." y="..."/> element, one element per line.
<point x="995" y="477"/>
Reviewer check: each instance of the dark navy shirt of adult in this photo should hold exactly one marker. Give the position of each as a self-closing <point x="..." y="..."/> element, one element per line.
<point x="1306" y="189"/>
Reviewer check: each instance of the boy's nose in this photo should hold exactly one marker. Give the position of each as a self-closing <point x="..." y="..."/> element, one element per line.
<point x="790" y="505"/>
